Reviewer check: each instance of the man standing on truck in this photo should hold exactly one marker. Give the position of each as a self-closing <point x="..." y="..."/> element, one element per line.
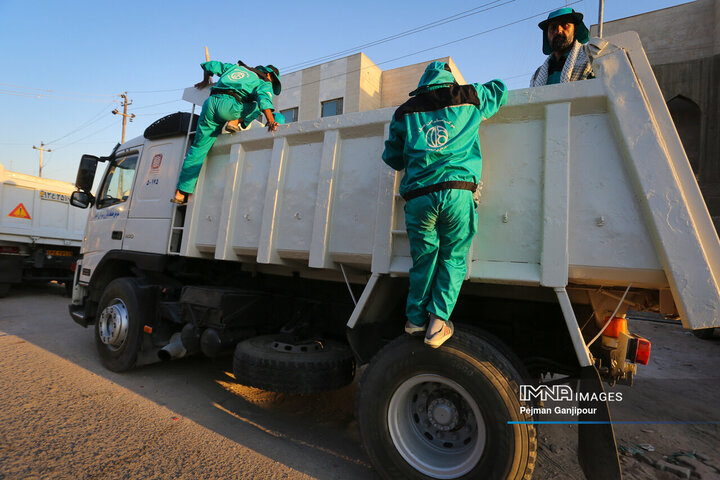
<point x="434" y="138"/>
<point x="564" y="34"/>
<point x="240" y="93"/>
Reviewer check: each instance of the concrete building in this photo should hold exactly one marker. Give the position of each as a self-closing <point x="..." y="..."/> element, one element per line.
<point x="683" y="46"/>
<point x="349" y="84"/>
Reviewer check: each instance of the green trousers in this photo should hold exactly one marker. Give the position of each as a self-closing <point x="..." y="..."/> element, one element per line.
<point x="440" y="227"/>
<point x="216" y="110"/>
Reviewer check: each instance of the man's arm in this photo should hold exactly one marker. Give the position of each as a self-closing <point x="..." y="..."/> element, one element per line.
<point x="272" y="125"/>
<point x="492" y="95"/>
<point x="394" y="146"/>
<point x="210" y="68"/>
<point x="205" y="81"/>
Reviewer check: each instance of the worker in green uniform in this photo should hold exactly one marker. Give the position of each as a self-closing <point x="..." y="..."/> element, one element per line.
<point x="434" y="138"/>
<point x="240" y="93"/>
<point x="564" y="39"/>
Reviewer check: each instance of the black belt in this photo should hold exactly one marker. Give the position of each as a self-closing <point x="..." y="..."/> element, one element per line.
<point x="457" y="185"/>
<point x="225" y="91"/>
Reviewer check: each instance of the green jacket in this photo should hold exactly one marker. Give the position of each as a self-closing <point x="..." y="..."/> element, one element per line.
<point x="245" y="82"/>
<point x="434" y="135"/>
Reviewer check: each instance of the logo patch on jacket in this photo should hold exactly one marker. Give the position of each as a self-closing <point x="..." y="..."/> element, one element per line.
<point x="436" y="134"/>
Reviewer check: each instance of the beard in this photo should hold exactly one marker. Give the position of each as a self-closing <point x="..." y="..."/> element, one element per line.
<point x="561" y="43"/>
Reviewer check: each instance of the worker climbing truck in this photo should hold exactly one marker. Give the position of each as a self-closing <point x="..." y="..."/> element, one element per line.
<point x="292" y="256"/>
<point x="40" y="235"/>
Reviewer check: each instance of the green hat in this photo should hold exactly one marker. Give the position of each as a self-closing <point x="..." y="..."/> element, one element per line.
<point x="581" y="31"/>
<point x="274" y="74"/>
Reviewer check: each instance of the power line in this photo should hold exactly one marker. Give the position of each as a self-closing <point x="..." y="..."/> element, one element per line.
<point x="432" y="47"/>
<point x="92" y="120"/>
<point x="87" y="136"/>
<point x="156" y="91"/>
<point x="156" y="104"/>
<point x="58" y="91"/>
<point x="50" y="97"/>
<point x="427" y="26"/>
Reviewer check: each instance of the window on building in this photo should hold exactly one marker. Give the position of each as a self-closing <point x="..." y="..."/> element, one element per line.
<point x="290" y="114"/>
<point x="332" y="107"/>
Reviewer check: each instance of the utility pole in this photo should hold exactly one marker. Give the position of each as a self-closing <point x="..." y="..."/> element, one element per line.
<point x="41" y="155"/>
<point x="124" y="114"/>
<point x="601" y="9"/>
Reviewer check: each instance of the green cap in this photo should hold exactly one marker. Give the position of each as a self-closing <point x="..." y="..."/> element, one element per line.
<point x="582" y="34"/>
<point x="274" y="74"/>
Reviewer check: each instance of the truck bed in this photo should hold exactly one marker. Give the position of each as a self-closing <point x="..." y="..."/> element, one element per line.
<point x="36" y="210"/>
<point x="584" y="184"/>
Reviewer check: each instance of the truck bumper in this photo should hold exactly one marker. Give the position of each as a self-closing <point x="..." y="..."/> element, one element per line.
<point x="77" y="312"/>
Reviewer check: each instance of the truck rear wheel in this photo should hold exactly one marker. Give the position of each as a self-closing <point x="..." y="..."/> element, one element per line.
<point x="444" y="413"/>
<point x="119" y="325"/>
<point x="4" y="289"/>
<point x="266" y="363"/>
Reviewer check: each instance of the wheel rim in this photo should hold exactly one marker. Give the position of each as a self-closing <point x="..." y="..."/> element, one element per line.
<point x="113" y="324"/>
<point x="436" y="426"/>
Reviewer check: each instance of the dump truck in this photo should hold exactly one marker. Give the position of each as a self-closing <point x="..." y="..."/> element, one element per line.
<point x="40" y="235"/>
<point x="292" y="256"/>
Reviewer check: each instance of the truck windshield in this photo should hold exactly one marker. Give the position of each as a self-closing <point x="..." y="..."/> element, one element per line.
<point x="118" y="182"/>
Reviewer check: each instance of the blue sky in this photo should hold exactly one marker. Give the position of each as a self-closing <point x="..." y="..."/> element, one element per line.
<point x="65" y="63"/>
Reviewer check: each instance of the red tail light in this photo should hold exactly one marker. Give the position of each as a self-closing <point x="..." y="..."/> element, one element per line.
<point x="73" y="267"/>
<point x="642" y="352"/>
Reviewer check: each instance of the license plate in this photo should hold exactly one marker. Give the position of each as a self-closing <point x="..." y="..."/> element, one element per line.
<point x="58" y="253"/>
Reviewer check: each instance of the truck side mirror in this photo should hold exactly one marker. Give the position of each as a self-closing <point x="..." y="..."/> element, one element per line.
<point x="81" y="199"/>
<point x="86" y="173"/>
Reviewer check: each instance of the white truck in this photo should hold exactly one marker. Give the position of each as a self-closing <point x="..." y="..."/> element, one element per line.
<point x="40" y="235"/>
<point x="292" y="254"/>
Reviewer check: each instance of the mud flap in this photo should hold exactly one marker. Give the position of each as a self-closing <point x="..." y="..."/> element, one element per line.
<point x="597" y="450"/>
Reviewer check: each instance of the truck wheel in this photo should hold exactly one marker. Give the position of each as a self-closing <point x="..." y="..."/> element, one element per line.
<point x="426" y="413"/>
<point x="264" y="362"/>
<point x="119" y="325"/>
<point x="4" y="289"/>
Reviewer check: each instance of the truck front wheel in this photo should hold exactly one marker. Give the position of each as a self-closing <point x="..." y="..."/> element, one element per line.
<point x="119" y="325"/>
<point x="444" y="413"/>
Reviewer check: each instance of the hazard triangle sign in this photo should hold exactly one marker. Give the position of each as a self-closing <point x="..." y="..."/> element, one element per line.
<point x="20" y="212"/>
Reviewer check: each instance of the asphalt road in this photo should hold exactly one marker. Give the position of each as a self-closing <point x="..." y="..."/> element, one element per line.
<point x="62" y="415"/>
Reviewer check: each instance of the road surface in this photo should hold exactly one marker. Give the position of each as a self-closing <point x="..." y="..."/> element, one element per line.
<point x="64" y="416"/>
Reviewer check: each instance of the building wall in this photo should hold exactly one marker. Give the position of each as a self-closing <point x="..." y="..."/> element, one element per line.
<point x="357" y="80"/>
<point x="370" y="85"/>
<point x="398" y="82"/>
<point x="676" y="34"/>
<point x="683" y="46"/>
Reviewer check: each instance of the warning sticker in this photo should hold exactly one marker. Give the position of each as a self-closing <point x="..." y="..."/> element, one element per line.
<point x="20" y="212"/>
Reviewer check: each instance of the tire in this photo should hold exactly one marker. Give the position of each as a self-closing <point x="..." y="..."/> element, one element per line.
<point x="119" y="325"/>
<point x="4" y="289"/>
<point x="704" y="333"/>
<point x="474" y="390"/>
<point x="259" y="363"/>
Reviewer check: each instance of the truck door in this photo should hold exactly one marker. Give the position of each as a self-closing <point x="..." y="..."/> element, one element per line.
<point x="106" y="223"/>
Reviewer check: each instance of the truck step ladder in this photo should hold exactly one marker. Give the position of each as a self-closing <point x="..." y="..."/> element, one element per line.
<point x="177" y="226"/>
